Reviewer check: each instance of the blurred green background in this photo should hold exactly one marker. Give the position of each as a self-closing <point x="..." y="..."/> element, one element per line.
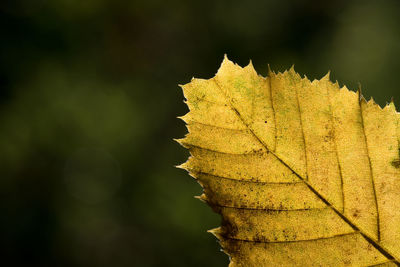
<point x="88" y="107"/>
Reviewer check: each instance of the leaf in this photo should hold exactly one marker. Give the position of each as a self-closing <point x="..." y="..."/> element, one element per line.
<point x="303" y="173"/>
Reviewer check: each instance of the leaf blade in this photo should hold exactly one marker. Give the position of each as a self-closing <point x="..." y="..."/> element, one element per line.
<point x="312" y="141"/>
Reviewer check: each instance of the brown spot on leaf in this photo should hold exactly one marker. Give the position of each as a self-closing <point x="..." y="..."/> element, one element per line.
<point x="396" y="163"/>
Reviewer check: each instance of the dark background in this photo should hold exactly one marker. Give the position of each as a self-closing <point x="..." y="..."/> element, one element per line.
<point x="88" y="107"/>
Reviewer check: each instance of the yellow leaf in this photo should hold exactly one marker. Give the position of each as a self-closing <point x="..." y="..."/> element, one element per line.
<point x="303" y="173"/>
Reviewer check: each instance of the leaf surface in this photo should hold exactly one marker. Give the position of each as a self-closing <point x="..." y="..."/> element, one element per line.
<point x="302" y="173"/>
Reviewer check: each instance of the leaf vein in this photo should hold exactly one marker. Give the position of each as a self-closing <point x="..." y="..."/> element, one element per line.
<point x="273" y="111"/>
<point x="336" y="149"/>
<point x="291" y="241"/>
<point x="216" y="126"/>
<point x="196" y="172"/>
<point x="370" y="167"/>
<point x="302" y="132"/>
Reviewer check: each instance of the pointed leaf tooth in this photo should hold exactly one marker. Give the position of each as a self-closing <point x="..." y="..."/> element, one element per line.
<point x="270" y="72"/>
<point x="394" y="105"/>
<point x="361" y="98"/>
<point x="250" y="68"/>
<point x="359" y="89"/>
<point x="372" y="100"/>
<point x="216" y="232"/>
<point x="344" y="88"/>
<point x="183" y="118"/>
<point x="226" y="67"/>
<point x="373" y="104"/>
<point x="181" y="141"/>
<point x="194" y="176"/>
<point x="202" y="198"/>
<point x="183" y="166"/>
<point x="326" y="76"/>
<point x="390" y="107"/>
